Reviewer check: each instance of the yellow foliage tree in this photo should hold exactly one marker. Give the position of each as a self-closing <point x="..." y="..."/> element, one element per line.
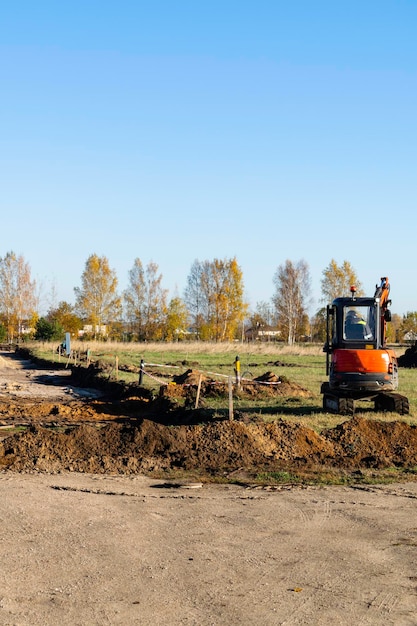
<point x="17" y="294"/>
<point x="64" y="316"/>
<point x="176" y="320"/>
<point x="214" y="295"/>
<point x="97" y="301"/>
<point x="337" y="281"/>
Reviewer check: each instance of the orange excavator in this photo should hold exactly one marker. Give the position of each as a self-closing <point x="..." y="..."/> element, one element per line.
<point x="358" y="363"/>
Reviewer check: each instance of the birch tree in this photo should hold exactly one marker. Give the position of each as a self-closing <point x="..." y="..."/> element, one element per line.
<point x="17" y="293"/>
<point x="197" y="295"/>
<point x="292" y="292"/>
<point x="214" y="295"/>
<point x="227" y="309"/>
<point x="155" y="309"/>
<point x="337" y="280"/>
<point x="146" y="302"/>
<point x="97" y="300"/>
<point x="134" y="299"/>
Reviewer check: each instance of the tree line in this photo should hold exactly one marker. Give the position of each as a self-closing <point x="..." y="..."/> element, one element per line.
<point x="212" y="307"/>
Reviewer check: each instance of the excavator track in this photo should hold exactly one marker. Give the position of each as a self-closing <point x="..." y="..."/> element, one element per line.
<point x="345" y="405"/>
<point x="341" y="405"/>
<point x="392" y="402"/>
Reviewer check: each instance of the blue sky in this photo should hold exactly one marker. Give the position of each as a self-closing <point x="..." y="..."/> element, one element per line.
<point x="182" y="130"/>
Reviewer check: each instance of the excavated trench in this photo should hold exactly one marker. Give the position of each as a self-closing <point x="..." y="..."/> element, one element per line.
<point x="76" y="421"/>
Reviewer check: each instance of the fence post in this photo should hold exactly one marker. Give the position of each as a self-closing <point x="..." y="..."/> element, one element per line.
<point x="197" y="398"/>
<point x="142" y="365"/>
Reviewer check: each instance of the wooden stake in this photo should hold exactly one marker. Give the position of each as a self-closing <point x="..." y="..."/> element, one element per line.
<point x="197" y="399"/>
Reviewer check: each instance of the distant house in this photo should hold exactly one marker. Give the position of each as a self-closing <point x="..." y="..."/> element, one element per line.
<point x="263" y="333"/>
<point x="89" y="329"/>
<point x="410" y="336"/>
<point x="26" y="329"/>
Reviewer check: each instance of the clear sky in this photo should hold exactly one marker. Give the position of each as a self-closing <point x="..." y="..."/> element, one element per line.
<point x="176" y="130"/>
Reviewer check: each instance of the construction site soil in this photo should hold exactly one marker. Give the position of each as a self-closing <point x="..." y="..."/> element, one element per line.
<point x="75" y="420"/>
<point x="119" y="507"/>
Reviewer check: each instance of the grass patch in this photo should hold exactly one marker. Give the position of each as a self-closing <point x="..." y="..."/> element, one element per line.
<point x="335" y="477"/>
<point x="5" y="431"/>
<point x="277" y="478"/>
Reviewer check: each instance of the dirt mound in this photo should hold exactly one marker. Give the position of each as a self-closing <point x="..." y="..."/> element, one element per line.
<point x="127" y="430"/>
<point x="223" y="446"/>
<point x="367" y="443"/>
<point x="26" y="411"/>
<point x="409" y="358"/>
<point x="190" y="377"/>
<point x="268" y="384"/>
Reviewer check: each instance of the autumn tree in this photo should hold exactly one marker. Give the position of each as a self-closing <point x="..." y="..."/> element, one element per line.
<point x="318" y="325"/>
<point x="408" y="324"/>
<point x="146" y="302"/>
<point x="97" y="301"/>
<point x="291" y="299"/>
<point x="134" y="298"/>
<point x="227" y="309"/>
<point x="177" y="319"/>
<point x="17" y="293"/>
<point x="64" y="316"/>
<point x="262" y="315"/>
<point x="394" y="329"/>
<point x="155" y="305"/>
<point x="337" y="280"/>
<point x="214" y="295"/>
<point x="197" y="295"/>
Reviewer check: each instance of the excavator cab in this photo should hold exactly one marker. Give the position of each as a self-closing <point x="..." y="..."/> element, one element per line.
<point x="358" y="363"/>
<point x="353" y="324"/>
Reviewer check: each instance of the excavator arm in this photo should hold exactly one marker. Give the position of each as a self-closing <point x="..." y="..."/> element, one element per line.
<point x="382" y="292"/>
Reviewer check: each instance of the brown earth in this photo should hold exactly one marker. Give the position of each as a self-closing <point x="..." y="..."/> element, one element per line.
<point x="91" y="537"/>
<point x="81" y="429"/>
<point x="409" y="358"/>
<point x="210" y="449"/>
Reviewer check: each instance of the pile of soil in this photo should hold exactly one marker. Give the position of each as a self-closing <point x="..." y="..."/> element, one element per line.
<point x="266" y="385"/>
<point x="213" y="448"/>
<point x="409" y="358"/>
<point x="127" y="430"/>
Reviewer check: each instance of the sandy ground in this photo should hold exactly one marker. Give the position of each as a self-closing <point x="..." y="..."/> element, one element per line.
<point x="19" y="378"/>
<point x="84" y="549"/>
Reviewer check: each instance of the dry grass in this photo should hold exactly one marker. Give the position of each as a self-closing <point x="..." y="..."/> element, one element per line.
<point x="196" y="347"/>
